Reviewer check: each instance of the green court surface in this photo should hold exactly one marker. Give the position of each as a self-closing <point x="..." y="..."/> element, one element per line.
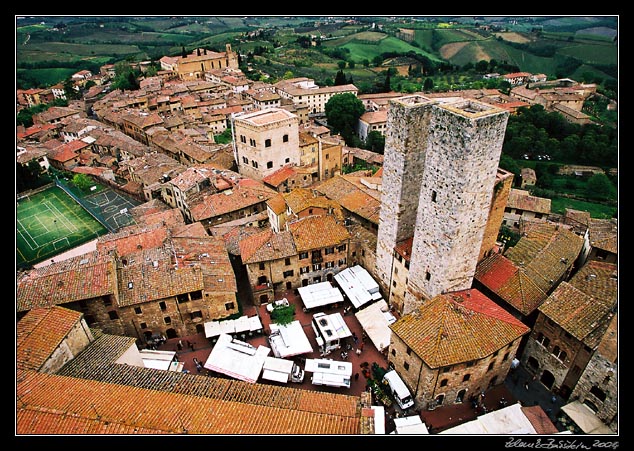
<point x="49" y="223"/>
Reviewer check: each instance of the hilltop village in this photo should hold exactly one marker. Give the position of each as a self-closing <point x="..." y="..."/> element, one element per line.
<point x="276" y="209"/>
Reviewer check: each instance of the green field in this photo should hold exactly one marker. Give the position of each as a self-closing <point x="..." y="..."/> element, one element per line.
<point x="598" y="211"/>
<point x="49" y="223"/>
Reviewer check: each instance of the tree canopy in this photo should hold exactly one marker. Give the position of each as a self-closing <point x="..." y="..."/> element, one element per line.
<point x="342" y="112"/>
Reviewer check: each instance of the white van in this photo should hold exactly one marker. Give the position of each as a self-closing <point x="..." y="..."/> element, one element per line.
<point x="334" y="373"/>
<point x="282" y="370"/>
<point x="399" y="390"/>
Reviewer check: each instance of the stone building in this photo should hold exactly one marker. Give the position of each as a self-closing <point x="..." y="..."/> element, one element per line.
<point x="312" y="249"/>
<point x="232" y="199"/>
<point x="567" y="334"/>
<point x="320" y="157"/>
<point x="598" y="385"/>
<point x="454" y="346"/>
<point x="304" y="91"/>
<point x="139" y="282"/>
<point x="528" y="178"/>
<point x="270" y="259"/>
<point x="522" y="206"/>
<point x="501" y="191"/>
<point x="524" y="276"/>
<point x="193" y="66"/>
<point x="440" y="166"/>
<point x="265" y="141"/>
<point x="103" y="388"/>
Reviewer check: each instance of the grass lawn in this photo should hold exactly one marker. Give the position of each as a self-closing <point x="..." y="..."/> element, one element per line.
<point x="49" y="223"/>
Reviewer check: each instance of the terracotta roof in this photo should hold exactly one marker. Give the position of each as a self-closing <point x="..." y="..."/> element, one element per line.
<point x="604" y="235"/>
<point x="171" y="217"/>
<point x="547" y="252"/>
<point x="151" y="274"/>
<point x="316" y="232"/>
<point x="458" y="327"/>
<point x="133" y="238"/>
<point x="210" y="254"/>
<point x="404" y="248"/>
<point x="299" y="199"/>
<point x="267" y="246"/>
<point x="40" y="332"/>
<point x="372" y="117"/>
<point x="280" y="176"/>
<point x="585" y="303"/>
<point x="522" y="200"/>
<point x="67" y="151"/>
<point x="277" y="204"/>
<point x="83" y="277"/>
<point x="351" y="197"/>
<point x="91" y="407"/>
<point x="246" y="193"/>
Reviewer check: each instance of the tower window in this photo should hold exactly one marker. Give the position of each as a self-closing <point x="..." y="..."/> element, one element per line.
<point x="433" y="196"/>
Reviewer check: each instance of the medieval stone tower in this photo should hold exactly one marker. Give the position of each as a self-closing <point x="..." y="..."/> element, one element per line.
<point x="440" y="167"/>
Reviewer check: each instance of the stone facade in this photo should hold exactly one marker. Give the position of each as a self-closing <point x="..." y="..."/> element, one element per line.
<point x="173" y="316"/>
<point x="501" y="190"/>
<point x="445" y="386"/>
<point x="194" y="65"/>
<point x="403" y="167"/>
<point x="463" y="152"/>
<point x="554" y="356"/>
<point x="77" y="339"/>
<point x="265" y="141"/>
<point x="598" y="385"/>
<point x="439" y="174"/>
<point x="274" y="275"/>
<point x="400" y="274"/>
<point x="329" y="159"/>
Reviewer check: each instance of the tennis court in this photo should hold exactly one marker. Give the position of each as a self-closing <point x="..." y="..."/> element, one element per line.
<point x="51" y="222"/>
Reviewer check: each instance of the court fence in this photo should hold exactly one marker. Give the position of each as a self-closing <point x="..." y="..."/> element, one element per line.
<point x="89" y="207"/>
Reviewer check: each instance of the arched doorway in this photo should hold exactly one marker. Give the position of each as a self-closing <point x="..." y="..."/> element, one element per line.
<point x="547" y="379"/>
<point x="461" y="395"/>
<point x="170" y="333"/>
<point x="533" y="364"/>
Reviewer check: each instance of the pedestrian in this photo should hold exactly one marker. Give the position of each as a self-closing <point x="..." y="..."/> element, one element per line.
<point x="356" y="376"/>
<point x="179" y="345"/>
<point x="526" y="385"/>
<point x="361" y="346"/>
<point x="358" y="351"/>
<point x="199" y="367"/>
<point x="553" y="399"/>
<point x="191" y="345"/>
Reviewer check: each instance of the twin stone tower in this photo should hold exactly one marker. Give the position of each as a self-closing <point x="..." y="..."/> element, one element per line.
<point x="440" y="163"/>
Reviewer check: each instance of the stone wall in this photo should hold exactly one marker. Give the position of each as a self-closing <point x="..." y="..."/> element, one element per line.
<point x="403" y="166"/>
<point x="453" y="383"/>
<point x="501" y="191"/>
<point x="463" y="151"/>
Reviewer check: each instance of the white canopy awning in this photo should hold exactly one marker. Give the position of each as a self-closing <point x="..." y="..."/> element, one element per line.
<point x="376" y="323"/>
<point x="585" y="418"/>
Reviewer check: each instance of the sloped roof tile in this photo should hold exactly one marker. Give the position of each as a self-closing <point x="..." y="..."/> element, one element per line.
<point x="458" y="327"/>
<point x="316" y="232"/>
